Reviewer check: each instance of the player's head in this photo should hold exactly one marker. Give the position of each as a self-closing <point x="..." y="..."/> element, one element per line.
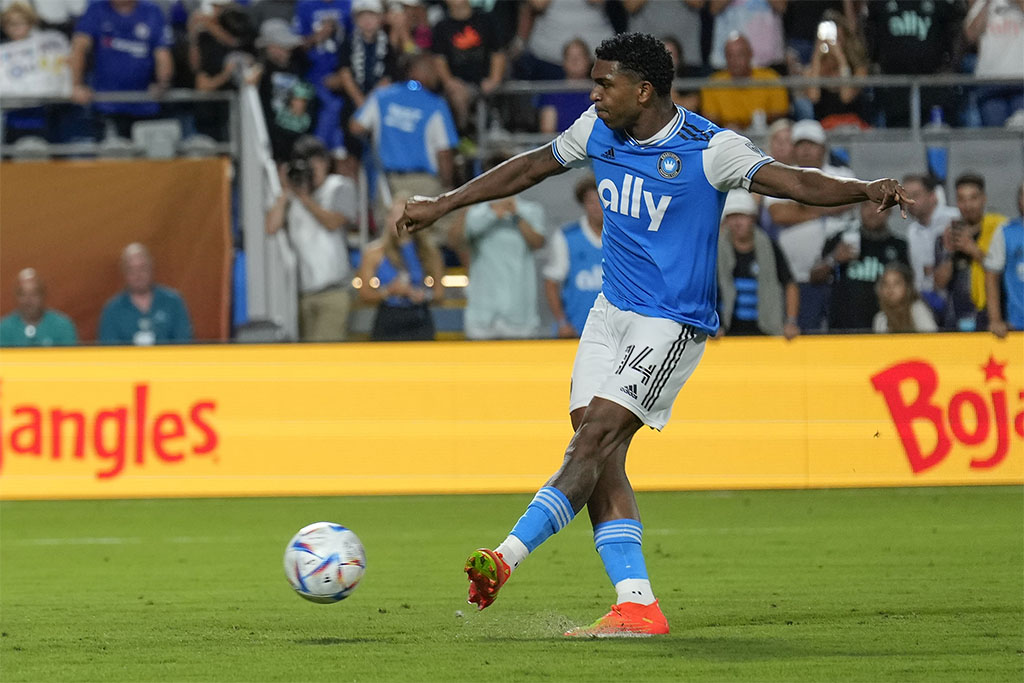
<point x="632" y="71"/>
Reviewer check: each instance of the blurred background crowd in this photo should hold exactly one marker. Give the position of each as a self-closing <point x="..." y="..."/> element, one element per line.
<point x="366" y="103"/>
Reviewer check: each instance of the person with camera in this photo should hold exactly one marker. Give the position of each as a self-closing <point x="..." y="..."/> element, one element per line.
<point x="316" y="207"/>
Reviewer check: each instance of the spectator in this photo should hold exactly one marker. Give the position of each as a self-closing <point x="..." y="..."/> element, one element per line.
<point x="852" y="261"/>
<point x="997" y="27"/>
<point x="220" y="56"/>
<point x="759" y="20"/>
<point x="931" y="217"/>
<point x="469" y="59"/>
<point x="838" y="52"/>
<point x="144" y="313"/>
<point x="401" y="273"/>
<point x="408" y="28"/>
<point x="323" y="26"/>
<point x="19" y="22"/>
<point x="286" y="97"/>
<point x="558" y="110"/>
<point x="503" y="238"/>
<point x="128" y="45"/>
<point x="901" y="309"/>
<point x="676" y="19"/>
<point x="757" y="291"/>
<point x="573" y="272"/>
<point x="413" y="133"/>
<point x="960" y="255"/>
<point x="804" y="229"/>
<point x="316" y="206"/>
<point x="736" y="107"/>
<point x="33" y="324"/>
<point x="366" y="60"/>
<point x="59" y="15"/>
<point x="552" y="22"/>
<point x="1005" y="258"/>
<point x="800" y="24"/>
<point x="780" y="148"/>
<point x="914" y="37"/>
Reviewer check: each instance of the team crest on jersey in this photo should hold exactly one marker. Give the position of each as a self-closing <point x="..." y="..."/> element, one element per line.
<point x="141" y="31"/>
<point x="668" y="165"/>
<point x="754" y="148"/>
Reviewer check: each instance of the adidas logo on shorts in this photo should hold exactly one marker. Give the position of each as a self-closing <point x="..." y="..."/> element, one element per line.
<point x="629" y="390"/>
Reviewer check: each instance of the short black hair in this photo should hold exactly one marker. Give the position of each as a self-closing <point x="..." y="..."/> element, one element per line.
<point x="584" y="185"/>
<point x="309" y="146"/>
<point x="641" y="54"/>
<point x="927" y="180"/>
<point x="975" y="179"/>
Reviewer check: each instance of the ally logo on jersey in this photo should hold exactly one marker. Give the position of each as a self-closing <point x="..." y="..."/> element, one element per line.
<point x="626" y="200"/>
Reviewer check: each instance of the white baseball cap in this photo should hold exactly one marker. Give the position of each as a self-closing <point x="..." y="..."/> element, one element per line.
<point x="807" y="129"/>
<point x="739" y="201"/>
<point x="367" y="6"/>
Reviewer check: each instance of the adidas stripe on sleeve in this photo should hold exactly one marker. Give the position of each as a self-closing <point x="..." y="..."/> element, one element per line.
<point x="731" y="160"/>
<point x="570" y="148"/>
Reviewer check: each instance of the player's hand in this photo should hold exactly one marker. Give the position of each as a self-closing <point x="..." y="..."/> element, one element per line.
<point x="421" y="212"/>
<point x="888" y="192"/>
<point x="999" y="328"/>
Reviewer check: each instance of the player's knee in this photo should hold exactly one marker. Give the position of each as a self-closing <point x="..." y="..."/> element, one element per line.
<point x="597" y="440"/>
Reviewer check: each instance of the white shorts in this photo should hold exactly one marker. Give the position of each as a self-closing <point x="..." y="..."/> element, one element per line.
<point x="640" y="363"/>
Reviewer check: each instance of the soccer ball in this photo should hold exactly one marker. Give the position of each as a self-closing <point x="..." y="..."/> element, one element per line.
<point x="324" y="562"/>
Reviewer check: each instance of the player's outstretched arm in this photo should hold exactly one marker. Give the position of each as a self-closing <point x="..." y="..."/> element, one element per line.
<point x="811" y="186"/>
<point x="507" y="179"/>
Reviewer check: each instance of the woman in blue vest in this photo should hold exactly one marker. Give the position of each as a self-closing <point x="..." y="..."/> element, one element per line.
<point x="402" y="275"/>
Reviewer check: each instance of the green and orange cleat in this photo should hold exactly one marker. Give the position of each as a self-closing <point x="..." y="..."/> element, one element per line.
<point x="488" y="572"/>
<point x="625" y="620"/>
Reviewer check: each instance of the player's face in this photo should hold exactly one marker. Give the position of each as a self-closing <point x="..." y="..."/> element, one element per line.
<point x="615" y="95"/>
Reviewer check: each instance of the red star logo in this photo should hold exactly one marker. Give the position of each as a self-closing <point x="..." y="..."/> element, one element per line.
<point x="994" y="370"/>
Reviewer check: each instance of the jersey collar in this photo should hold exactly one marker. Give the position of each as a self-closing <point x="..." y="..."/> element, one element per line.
<point x="663" y="135"/>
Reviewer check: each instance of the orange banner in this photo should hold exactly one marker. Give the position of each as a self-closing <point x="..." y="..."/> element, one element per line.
<point x="70" y="221"/>
<point x="417" y="418"/>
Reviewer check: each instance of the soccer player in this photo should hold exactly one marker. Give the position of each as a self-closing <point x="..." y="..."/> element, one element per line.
<point x="662" y="175"/>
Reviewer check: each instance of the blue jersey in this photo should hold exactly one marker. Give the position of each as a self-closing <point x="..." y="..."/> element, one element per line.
<point x="410" y="125"/>
<point x="574" y="260"/>
<point x="662" y="201"/>
<point x="1006" y="253"/>
<point x="122" y="50"/>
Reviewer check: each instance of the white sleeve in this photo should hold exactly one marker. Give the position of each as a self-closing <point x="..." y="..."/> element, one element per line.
<point x="570" y="148"/>
<point x="368" y="115"/>
<point x="922" y="316"/>
<point x="731" y="160"/>
<point x="995" y="259"/>
<point x="556" y="258"/>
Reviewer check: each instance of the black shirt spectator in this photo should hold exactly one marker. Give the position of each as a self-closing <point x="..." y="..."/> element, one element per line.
<point x="467" y="45"/>
<point x="914" y="37"/>
<point x="855" y="268"/>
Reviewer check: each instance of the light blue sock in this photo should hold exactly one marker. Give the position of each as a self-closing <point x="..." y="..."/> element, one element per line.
<point x="547" y="514"/>
<point x="618" y="543"/>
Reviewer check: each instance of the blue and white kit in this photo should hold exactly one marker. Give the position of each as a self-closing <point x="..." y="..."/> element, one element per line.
<point x="662" y="200"/>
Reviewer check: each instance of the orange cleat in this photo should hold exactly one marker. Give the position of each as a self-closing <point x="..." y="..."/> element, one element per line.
<point x="625" y="620"/>
<point x="488" y="572"/>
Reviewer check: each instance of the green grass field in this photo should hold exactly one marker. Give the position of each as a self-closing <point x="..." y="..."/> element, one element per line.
<point x="897" y="584"/>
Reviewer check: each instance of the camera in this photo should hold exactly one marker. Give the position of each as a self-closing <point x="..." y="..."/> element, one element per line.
<point x="300" y="173"/>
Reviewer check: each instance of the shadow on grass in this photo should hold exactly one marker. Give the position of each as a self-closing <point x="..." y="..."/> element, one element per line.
<point x="341" y="641"/>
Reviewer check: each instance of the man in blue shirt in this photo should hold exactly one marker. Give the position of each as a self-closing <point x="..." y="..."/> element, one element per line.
<point x="130" y="45"/>
<point x="1004" y="274"/>
<point x="413" y="132"/>
<point x="662" y="176"/>
<point x="144" y="313"/>
<point x="572" y="272"/>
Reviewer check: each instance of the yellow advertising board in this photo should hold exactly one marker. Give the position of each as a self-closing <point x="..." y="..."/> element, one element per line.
<point x="491" y="417"/>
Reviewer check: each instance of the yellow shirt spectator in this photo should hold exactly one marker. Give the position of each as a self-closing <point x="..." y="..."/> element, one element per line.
<point x="735" y="107"/>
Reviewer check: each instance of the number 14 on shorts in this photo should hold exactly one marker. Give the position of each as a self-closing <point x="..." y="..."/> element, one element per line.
<point x="636" y="360"/>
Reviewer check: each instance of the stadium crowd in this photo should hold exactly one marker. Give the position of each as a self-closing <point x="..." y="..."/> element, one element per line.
<point x="394" y="87"/>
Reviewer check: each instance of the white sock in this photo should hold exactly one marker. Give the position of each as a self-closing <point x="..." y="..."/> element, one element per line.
<point x="634" y="590"/>
<point x="513" y="551"/>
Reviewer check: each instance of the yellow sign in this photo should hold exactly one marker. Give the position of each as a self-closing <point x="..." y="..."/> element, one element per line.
<point x="492" y="417"/>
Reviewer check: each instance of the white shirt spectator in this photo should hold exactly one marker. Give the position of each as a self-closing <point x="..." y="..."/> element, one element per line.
<point x="322" y="253"/>
<point x="564" y="20"/>
<point x="802" y="243"/>
<point x="920" y="315"/>
<point x="921" y="244"/>
<point x="1001" y="46"/>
